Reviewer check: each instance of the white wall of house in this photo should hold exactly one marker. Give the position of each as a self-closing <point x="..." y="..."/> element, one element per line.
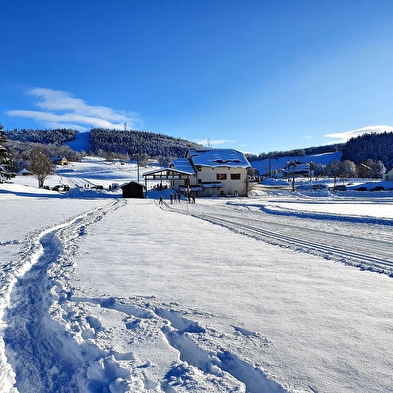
<point x="233" y="180"/>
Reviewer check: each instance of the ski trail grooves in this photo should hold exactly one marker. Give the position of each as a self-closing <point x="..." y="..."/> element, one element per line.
<point x="41" y="353"/>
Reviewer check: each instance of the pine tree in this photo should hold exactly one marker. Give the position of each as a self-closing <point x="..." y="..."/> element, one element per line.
<point x="6" y="162"/>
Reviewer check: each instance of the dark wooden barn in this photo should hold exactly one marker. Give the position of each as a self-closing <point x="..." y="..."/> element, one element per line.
<point x="132" y="190"/>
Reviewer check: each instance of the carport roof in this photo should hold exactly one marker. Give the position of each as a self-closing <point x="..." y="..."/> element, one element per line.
<point x="167" y="173"/>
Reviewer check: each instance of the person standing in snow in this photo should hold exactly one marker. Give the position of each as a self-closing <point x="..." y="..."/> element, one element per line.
<point x="161" y="200"/>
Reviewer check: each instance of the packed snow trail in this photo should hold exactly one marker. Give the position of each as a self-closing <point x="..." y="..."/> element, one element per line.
<point x="42" y="354"/>
<point x="29" y="336"/>
<point x="369" y="249"/>
<point x="55" y="342"/>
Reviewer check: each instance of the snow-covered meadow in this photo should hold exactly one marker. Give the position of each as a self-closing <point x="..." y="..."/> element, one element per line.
<point x="278" y="292"/>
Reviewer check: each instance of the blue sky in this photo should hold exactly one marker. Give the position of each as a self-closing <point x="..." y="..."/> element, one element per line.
<point x="257" y="76"/>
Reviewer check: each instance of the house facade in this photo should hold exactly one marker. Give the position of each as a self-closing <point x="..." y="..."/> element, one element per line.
<point x="213" y="172"/>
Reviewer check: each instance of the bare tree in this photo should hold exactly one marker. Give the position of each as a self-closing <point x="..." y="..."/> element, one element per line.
<point x="40" y="165"/>
<point x="333" y="170"/>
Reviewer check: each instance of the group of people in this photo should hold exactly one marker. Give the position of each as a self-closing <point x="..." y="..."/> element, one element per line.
<point x="176" y="198"/>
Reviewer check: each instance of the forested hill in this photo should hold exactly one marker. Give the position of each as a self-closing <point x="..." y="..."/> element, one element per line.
<point x="131" y="143"/>
<point x="110" y="142"/>
<point x="377" y="147"/>
<point x="45" y="137"/>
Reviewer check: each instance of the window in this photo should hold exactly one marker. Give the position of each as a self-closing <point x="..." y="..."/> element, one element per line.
<point x="235" y="176"/>
<point x="221" y="176"/>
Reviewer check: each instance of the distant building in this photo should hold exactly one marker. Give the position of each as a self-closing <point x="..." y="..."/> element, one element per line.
<point x="132" y="190"/>
<point x="297" y="168"/>
<point x="389" y="174"/>
<point x="213" y="172"/>
<point x="59" y="160"/>
<point x="24" y="172"/>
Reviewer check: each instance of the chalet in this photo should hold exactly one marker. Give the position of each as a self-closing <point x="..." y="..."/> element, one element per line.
<point x="296" y="168"/>
<point x="212" y="172"/>
<point x="132" y="190"/>
<point x="60" y="160"/>
<point x="24" y="172"/>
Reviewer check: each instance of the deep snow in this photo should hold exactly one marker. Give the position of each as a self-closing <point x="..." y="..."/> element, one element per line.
<point x="105" y="294"/>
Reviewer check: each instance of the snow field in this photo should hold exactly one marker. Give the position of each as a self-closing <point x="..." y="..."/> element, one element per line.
<point x="302" y="311"/>
<point x="101" y="294"/>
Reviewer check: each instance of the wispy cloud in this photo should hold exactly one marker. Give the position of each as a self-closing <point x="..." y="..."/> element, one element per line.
<point x="60" y="109"/>
<point x="342" y="137"/>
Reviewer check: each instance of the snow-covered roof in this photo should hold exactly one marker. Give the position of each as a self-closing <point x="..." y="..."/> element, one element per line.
<point x="300" y="167"/>
<point x="131" y="182"/>
<point x="218" y="157"/>
<point x="23" y="171"/>
<point x="167" y="170"/>
<point x="183" y="164"/>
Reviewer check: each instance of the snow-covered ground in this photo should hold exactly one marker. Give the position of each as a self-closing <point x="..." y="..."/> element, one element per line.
<point x="278" y="292"/>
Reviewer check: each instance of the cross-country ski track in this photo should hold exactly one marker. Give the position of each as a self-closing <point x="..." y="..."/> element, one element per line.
<point x="43" y="313"/>
<point x="365" y="252"/>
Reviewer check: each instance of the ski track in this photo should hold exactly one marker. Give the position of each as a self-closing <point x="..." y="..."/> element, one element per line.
<point x="365" y="253"/>
<point x="41" y="316"/>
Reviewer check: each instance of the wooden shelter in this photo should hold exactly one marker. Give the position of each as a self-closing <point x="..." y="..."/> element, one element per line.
<point x="167" y="174"/>
<point x="132" y="190"/>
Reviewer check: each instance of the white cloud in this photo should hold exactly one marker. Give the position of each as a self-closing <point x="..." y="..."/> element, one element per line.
<point x="60" y="110"/>
<point x="342" y="137"/>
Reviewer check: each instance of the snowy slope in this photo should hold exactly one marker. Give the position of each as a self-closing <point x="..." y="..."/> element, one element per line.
<point x="278" y="292"/>
<point x="81" y="142"/>
<point x="279" y="163"/>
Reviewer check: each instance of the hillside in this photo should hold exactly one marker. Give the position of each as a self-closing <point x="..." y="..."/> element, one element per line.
<point x="131" y="143"/>
<point x="107" y="142"/>
<point x="376" y="147"/>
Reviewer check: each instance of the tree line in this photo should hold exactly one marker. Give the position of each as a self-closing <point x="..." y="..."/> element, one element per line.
<point x="346" y="169"/>
<point x="45" y="137"/>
